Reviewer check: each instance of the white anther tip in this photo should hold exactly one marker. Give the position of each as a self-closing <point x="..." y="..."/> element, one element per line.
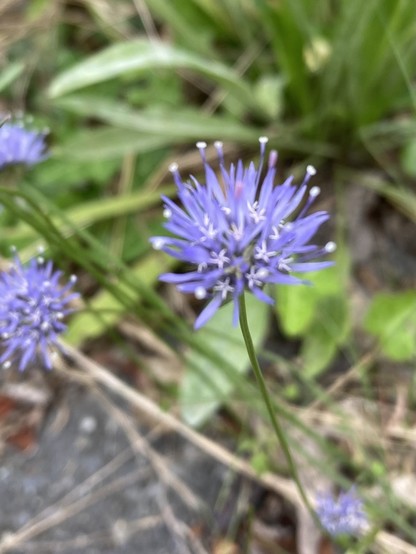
<point x="173" y="167"/>
<point x="73" y="278"/>
<point x="218" y="144"/>
<point x="200" y="293"/>
<point x="311" y="170"/>
<point x="158" y="243"/>
<point x="314" y="192"/>
<point x="201" y="144"/>
<point x="330" y="246"/>
<point x="167" y="213"/>
<point x="262" y="273"/>
<point x="263" y="140"/>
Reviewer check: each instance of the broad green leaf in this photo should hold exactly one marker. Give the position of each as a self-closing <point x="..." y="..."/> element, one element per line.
<point x="205" y="385"/>
<point x="328" y="331"/>
<point x="107" y="143"/>
<point x="69" y="173"/>
<point x="178" y="124"/>
<point x="140" y="56"/>
<point x="392" y="319"/>
<point x="296" y="306"/>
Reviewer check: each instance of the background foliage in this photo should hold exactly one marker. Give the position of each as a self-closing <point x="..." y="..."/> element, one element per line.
<point x="125" y="88"/>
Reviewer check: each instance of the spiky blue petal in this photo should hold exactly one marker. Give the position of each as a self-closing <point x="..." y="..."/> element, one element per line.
<point x="32" y="308"/>
<point x="240" y="232"/>
<point x="20" y="146"/>
<point x="343" y="515"/>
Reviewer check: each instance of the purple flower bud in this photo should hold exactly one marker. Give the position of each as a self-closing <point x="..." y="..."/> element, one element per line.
<point x="240" y="232"/>
<point x="20" y="146"/>
<point x="342" y="516"/>
<point x="32" y="308"/>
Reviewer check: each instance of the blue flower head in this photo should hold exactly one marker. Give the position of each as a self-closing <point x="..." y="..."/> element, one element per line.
<point x="19" y="145"/>
<point x="240" y="232"/>
<point x="343" y="515"/>
<point x="32" y="307"/>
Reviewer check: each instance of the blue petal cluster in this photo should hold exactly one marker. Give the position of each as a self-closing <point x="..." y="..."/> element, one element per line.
<point x="240" y="232"/>
<point x="32" y="307"/>
<point x="20" y="146"/>
<point x="343" y="515"/>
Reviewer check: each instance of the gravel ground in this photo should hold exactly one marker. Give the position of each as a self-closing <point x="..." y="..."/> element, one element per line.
<point x="103" y="496"/>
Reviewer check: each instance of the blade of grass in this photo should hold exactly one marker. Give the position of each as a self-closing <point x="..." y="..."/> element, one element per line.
<point x="88" y="213"/>
<point x="178" y="125"/>
<point x="141" y="56"/>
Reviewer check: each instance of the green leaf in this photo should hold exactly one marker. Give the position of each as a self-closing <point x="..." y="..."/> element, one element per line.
<point x="163" y="123"/>
<point x="141" y="56"/>
<point x="326" y="333"/>
<point x="205" y="385"/>
<point x="392" y="319"/>
<point x="10" y="74"/>
<point x="260" y="462"/>
<point x="296" y="306"/>
<point x="107" y="143"/>
<point x="319" y="313"/>
<point x="69" y="173"/>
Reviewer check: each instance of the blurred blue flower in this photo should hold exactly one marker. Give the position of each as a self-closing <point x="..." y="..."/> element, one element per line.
<point x="20" y="146"/>
<point x="343" y="515"/>
<point x="32" y="307"/>
<point x="240" y="232"/>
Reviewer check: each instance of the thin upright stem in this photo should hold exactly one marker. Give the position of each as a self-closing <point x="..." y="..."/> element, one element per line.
<point x="269" y="405"/>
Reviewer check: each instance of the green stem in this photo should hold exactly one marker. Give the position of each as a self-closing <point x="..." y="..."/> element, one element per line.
<point x="267" y="400"/>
